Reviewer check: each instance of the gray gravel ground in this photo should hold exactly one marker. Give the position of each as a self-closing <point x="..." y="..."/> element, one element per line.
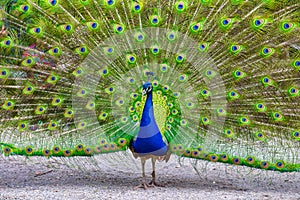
<point x="33" y="180"/>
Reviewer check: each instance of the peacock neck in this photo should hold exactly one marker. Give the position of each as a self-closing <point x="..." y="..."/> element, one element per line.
<point x="148" y="111"/>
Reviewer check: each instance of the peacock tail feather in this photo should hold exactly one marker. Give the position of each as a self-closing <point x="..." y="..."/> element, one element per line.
<point x="225" y="78"/>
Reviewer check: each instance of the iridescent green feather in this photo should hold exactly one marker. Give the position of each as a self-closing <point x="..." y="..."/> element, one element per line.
<point x="224" y="76"/>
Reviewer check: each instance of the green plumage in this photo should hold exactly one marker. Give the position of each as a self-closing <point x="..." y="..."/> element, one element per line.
<point x="225" y="78"/>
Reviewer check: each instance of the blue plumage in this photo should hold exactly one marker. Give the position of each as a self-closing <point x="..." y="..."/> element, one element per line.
<point x="149" y="139"/>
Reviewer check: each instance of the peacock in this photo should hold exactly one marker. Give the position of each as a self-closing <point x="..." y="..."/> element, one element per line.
<point x="206" y="80"/>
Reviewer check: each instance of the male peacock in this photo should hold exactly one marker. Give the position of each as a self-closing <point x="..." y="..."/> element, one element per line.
<point x="149" y="142"/>
<point x="222" y="80"/>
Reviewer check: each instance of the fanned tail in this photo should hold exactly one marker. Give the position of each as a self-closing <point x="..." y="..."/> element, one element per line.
<point x="225" y="78"/>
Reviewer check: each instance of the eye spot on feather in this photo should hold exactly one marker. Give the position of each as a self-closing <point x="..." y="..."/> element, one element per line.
<point x="46" y="152"/>
<point x="279" y="164"/>
<point x="137" y="7"/>
<point x="56" y="149"/>
<point x="196" y="27"/>
<point x="94" y="25"/>
<point x="68" y="27"/>
<point x="103" y="142"/>
<point x="296" y="135"/>
<point x="225" y="22"/>
<point x="79" y="147"/>
<point x="88" y="151"/>
<point x="25" y="8"/>
<point x="67" y="153"/>
<point x="37" y="30"/>
<point x="264" y="164"/>
<point x="110" y="2"/>
<point x="224" y="157"/>
<point x="119" y="28"/>
<point x="154" y="20"/>
<point x="286" y="25"/>
<point x="53" y="2"/>
<point x="7" y="150"/>
<point x="236" y="161"/>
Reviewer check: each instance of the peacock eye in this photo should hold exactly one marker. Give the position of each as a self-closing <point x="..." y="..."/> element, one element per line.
<point x="137" y="7"/>
<point x="225" y="22"/>
<point x="132" y="59"/>
<point x="140" y="37"/>
<point x="94" y="25"/>
<point x="53" y="2"/>
<point x="25" y="8"/>
<point x="68" y="27"/>
<point x="120" y="28"/>
<point x="195" y="27"/>
<point x="266" y="50"/>
<point x="286" y="25"/>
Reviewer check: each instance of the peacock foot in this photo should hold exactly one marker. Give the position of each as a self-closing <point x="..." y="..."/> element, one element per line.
<point x="143" y="185"/>
<point x="154" y="184"/>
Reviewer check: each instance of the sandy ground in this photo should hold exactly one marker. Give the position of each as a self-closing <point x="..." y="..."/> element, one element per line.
<point x="34" y="180"/>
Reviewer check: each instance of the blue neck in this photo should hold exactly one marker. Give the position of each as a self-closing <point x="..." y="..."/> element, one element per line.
<point x="147" y="112"/>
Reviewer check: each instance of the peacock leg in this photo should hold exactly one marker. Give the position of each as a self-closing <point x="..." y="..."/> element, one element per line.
<point x="153" y="182"/>
<point x="143" y="184"/>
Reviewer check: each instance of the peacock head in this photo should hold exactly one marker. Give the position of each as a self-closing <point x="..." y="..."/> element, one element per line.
<point x="147" y="88"/>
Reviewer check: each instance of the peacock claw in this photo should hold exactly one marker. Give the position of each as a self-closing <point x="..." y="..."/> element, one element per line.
<point x="143" y="185"/>
<point x="154" y="184"/>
